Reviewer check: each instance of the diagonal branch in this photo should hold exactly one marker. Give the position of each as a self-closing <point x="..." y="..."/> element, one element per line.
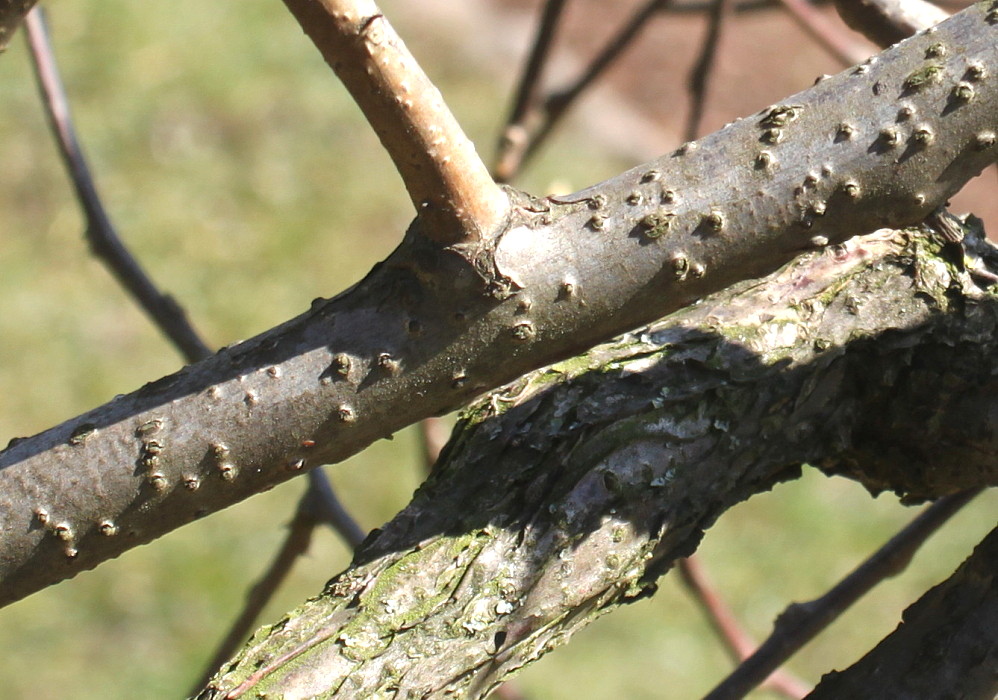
<point x="722" y="619"/>
<point x="430" y="328"/>
<point x="449" y="185"/>
<point x="947" y="642"/>
<point x="802" y="622"/>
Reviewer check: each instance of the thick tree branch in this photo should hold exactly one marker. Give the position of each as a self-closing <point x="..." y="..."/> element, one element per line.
<point x="569" y="492"/>
<point x="449" y="185"/>
<point x="431" y="327"/>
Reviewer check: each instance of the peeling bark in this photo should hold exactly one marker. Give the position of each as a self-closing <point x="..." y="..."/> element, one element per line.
<point x="570" y="491"/>
<point x="431" y="327"/>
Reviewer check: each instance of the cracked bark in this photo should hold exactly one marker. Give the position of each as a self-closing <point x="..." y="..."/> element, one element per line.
<point x="433" y="326"/>
<point x="570" y="491"/>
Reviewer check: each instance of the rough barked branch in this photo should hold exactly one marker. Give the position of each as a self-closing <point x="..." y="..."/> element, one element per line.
<point x="433" y="326"/>
<point x="570" y="491"/>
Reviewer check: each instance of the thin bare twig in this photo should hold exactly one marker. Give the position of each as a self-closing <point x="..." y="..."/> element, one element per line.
<point x="700" y="73"/>
<point x="801" y="622"/>
<point x="447" y="182"/>
<point x="835" y="40"/>
<point x="736" y="640"/>
<point x="886" y="22"/>
<point x="514" y="137"/>
<point x="104" y="240"/>
<point x="557" y="103"/>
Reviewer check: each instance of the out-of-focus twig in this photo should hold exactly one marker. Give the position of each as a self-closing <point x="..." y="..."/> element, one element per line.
<point x="513" y="138"/>
<point x="100" y="232"/>
<point x="801" y="622"/>
<point x="833" y="38"/>
<point x="543" y="114"/>
<point x="736" y="640"/>
<point x="433" y="435"/>
<point x="701" y="71"/>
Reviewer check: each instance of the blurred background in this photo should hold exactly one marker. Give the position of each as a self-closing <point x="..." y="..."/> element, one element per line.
<point x="244" y="179"/>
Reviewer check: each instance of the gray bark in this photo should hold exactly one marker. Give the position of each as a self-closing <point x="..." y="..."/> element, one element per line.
<point x="569" y="492"/>
<point x="431" y="327"/>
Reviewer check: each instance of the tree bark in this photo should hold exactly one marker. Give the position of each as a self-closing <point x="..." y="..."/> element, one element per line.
<point x="431" y="327"/>
<point x="569" y="492"/>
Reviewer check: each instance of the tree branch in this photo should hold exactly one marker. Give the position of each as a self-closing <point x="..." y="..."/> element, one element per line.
<point x="432" y="327"/>
<point x="104" y="241"/>
<point x="569" y="492"/>
<point x="449" y="185"/>
<point x="958" y="657"/>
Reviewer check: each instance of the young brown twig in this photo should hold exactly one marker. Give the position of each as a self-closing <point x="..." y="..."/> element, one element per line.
<point x="701" y="71"/>
<point x="801" y="622"/>
<point x="104" y="240"/>
<point x="449" y="185"/>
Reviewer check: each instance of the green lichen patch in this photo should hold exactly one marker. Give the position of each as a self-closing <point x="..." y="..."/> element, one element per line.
<point x="929" y="74"/>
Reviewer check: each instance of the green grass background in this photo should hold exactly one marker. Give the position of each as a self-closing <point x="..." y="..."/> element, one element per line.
<point x="246" y="181"/>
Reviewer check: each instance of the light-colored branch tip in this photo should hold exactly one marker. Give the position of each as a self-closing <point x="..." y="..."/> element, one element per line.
<point x="448" y="183"/>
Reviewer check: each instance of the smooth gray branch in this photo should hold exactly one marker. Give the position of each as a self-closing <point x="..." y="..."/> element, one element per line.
<point x="882" y="144"/>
